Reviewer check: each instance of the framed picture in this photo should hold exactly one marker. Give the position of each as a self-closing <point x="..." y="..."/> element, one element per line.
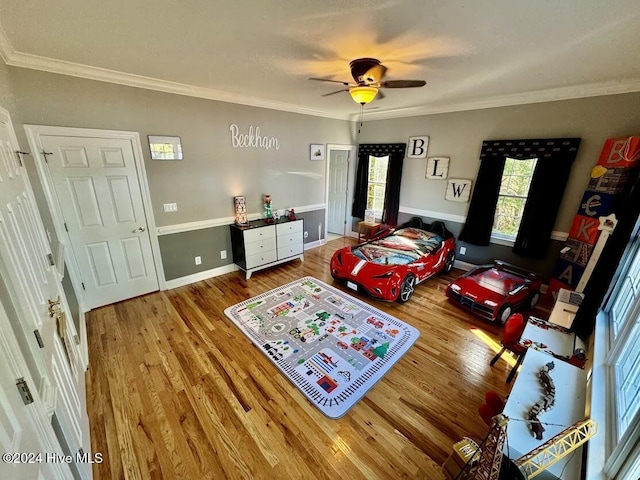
<point x="316" y="152"/>
<point x="165" y="148"/>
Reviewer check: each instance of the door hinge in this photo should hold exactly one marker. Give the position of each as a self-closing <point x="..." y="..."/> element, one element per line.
<point x="52" y="262"/>
<point x="65" y="226"/>
<point x="23" y="390"/>
<point x="19" y="154"/>
<point x="36" y="332"/>
<point x="82" y="283"/>
<point x="76" y="339"/>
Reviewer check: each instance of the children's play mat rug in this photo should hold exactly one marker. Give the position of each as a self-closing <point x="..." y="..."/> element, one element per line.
<point x="333" y="347"/>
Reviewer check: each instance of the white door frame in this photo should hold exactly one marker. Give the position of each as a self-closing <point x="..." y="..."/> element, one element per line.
<point x="350" y="175"/>
<point x="33" y="132"/>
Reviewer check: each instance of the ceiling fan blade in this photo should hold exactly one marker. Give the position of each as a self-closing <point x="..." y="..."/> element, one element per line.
<point x="333" y="93"/>
<point x="374" y="74"/>
<point x="403" y="83"/>
<point x="380" y="95"/>
<point x="328" y="80"/>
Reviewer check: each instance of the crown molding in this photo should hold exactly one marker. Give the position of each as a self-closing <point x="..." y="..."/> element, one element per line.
<point x="36" y="62"/>
<point x="539" y="96"/>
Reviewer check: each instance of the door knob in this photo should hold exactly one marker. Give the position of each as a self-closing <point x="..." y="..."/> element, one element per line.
<point x="139" y="229"/>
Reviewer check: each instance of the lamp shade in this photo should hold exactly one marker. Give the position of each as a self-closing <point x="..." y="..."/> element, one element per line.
<point x="240" y="209"/>
<point x="363" y="95"/>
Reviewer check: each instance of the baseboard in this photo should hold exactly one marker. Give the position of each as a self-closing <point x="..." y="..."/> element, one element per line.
<point x="463" y="265"/>
<point x="198" y="277"/>
<point x="317" y="243"/>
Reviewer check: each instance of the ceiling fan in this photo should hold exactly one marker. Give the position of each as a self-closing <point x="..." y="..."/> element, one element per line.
<point x="368" y="74"/>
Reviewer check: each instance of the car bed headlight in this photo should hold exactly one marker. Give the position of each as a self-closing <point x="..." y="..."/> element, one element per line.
<point x="383" y="275"/>
<point x="491" y="303"/>
<point x="455" y="288"/>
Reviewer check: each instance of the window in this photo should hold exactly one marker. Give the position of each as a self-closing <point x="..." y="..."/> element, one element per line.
<point x="622" y="363"/>
<point x="514" y="189"/>
<point x="624" y="357"/>
<point x="377" y="183"/>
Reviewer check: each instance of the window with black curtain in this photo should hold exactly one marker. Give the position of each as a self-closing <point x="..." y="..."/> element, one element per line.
<point x="396" y="152"/>
<point x="555" y="157"/>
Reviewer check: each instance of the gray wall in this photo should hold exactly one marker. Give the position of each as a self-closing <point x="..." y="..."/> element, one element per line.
<point x="459" y="136"/>
<point x="212" y="172"/>
<point x="180" y="249"/>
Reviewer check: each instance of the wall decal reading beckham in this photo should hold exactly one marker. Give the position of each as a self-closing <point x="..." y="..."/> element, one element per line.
<point x="458" y="190"/>
<point x="252" y="139"/>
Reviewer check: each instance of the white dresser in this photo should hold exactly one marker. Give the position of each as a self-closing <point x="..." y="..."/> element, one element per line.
<point x="260" y="245"/>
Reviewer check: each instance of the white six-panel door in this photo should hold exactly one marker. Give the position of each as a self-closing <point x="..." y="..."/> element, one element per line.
<point x="29" y="333"/>
<point x="96" y="185"/>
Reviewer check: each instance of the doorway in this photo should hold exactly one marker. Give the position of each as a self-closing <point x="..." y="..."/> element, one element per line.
<point x="95" y="185"/>
<point x="338" y="190"/>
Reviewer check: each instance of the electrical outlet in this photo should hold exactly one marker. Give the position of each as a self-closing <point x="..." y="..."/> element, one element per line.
<point x="223" y="254"/>
<point x="198" y="260"/>
<point x="306" y="234"/>
<point x="463" y="250"/>
<point x="170" y="207"/>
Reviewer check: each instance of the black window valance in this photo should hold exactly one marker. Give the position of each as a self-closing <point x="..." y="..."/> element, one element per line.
<point x="396" y="152"/>
<point x="555" y="157"/>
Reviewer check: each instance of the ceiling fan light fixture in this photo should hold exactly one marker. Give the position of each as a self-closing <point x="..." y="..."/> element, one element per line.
<point x="363" y="95"/>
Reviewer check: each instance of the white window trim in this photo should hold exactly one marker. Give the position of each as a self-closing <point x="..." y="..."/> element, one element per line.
<point x="607" y="458"/>
<point x="597" y="405"/>
<point x="502" y="239"/>
<point x="378" y="213"/>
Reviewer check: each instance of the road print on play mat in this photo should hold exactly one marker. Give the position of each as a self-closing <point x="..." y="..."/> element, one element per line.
<point x="331" y="346"/>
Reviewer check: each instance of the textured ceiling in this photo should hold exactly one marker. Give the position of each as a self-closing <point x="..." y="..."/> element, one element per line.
<point x="472" y="54"/>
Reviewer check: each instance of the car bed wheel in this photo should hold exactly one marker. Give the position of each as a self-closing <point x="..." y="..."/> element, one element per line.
<point x="533" y="300"/>
<point x="504" y="313"/>
<point x="407" y="288"/>
<point x="448" y="263"/>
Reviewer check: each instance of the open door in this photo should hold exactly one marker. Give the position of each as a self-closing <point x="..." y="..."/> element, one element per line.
<point x="35" y="306"/>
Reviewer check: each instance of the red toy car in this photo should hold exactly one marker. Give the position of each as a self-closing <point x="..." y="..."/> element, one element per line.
<point x="390" y="266"/>
<point x="496" y="291"/>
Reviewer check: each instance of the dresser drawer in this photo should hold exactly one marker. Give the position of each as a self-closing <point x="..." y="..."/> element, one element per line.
<point x="289" y="227"/>
<point x="253" y="261"/>
<point x="261" y="246"/>
<point x="257" y="234"/>
<point x="289" y="240"/>
<point x="290" y="251"/>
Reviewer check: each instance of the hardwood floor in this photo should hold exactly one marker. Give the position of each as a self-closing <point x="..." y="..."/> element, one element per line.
<point x="175" y="390"/>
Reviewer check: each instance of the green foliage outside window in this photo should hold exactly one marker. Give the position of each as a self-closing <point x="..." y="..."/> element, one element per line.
<point x="376" y="187"/>
<point x="514" y="189"/>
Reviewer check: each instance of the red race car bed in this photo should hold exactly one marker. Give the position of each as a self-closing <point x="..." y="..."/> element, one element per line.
<point x="389" y="267"/>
